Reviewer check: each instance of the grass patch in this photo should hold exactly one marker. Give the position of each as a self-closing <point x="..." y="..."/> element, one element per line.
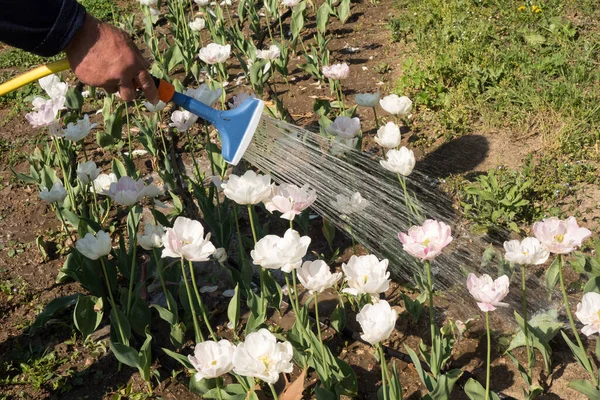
<point x="517" y="65"/>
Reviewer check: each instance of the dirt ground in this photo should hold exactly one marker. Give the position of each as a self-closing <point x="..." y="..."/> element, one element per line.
<point x="90" y="372"/>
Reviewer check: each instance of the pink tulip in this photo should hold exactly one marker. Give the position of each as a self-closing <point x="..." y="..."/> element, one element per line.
<point x="488" y="293"/>
<point x="560" y="236"/>
<point x="426" y="241"/>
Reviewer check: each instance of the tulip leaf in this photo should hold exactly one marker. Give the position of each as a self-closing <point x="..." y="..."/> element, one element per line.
<point x="52" y="308"/>
<point x="177" y="334"/>
<point x="140" y="315"/>
<point x="343" y="11"/>
<point x="24" y="178"/>
<point x="425" y="378"/>
<point x="118" y="168"/>
<point x="180" y="358"/>
<point x="579" y="354"/>
<point x="324" y="394"/>
<point x="586" y="388"/>
<point x="126" y="354"/>
<point x="74" y="99"/>
<point x="338" y="317"/>
<point x="297" y="20"/>
<point x="165" y="314"/>
<point x="542" y="328"/>
<point x="552" y="274"/>
<point x="114" y="125"/>
<point x="323" y="14"/>
<point x="475" y="391"/>
<point x="233" y="309"/>
<point x="88" y="314"/>
<point x="103" y="139"/>
<point x="118" y="317"/>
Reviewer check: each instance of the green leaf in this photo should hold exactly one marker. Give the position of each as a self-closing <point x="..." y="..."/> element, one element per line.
<point x="445" y="384"/>
<point x="425" y="378"/>
<point x="579" y="354"/>
<point x="118" y="168"/>
<point x="593" y="285"/>
<point x="586" y="388"/>
<point x="180" y="358"/>
<point x="552" y="274"/>
<point x="126" y="354"/>
<point x="74" y="99"/>
<point x="140" y="315"/>
<point x="475" y="391"/>
<point x="233" y="309"/>
<point x="343" y="11"/>
<point x="114" y="125"/>
<point x="165" y="314"/>
<point x="104" y="139"/>
<point x="52" y="308"/>
<point x="542" y="329"/>
<point x="338" y="317"/>
<point x="87" y="314"/>
<point x="323" y="17"/>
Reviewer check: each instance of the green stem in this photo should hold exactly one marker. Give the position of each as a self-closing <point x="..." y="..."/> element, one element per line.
<point x="133" y="264"/>
<point x="128" y="132"/>
<point x="239" y="233"/>
<point x="430" y="296"/>
<point x="64" y="224"/>
<point x="112" y="301"/>
<point x="291" y="224"/>
<point x="376" y="120"/>
<point x="489" y="354"/>
<point x="295" y="282"/>
<point x="200" y="303"/>
<point x="251" y="217"/>
<point x="383" y="371"/>
<point x="219" y="389"/>
<point x="65" y="175"/>
<point x="570" y="315"/>
<point x="525" y="325"/>
<point x="161" y="278"/>
<point x="321" y="344"/>
<point x="273" y="392"/>
<point x="197" y="331"/>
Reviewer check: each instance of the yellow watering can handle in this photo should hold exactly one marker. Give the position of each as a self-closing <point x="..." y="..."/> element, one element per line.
<point x="34" y="75"/>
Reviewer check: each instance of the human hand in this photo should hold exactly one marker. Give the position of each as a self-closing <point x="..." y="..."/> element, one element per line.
<point x="102" y="55"/>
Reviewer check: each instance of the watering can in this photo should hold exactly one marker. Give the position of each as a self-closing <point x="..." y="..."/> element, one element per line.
<point x="236" y="127"/>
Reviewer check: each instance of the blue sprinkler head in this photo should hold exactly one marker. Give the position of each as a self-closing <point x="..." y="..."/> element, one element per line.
<point x="236" y="126"/>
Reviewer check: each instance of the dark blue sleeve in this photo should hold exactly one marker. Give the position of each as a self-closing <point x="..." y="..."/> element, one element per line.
<point x="42" y="27"/>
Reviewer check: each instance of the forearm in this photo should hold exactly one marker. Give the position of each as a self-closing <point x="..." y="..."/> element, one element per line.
<point x="43" y="27"/>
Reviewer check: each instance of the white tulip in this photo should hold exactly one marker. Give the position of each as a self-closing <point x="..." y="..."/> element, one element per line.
<point x="366" y="275"/>
<point x="148" y="3"/>
<point x="261" y="356"/>
<point x="220" y="255"/>
<point x="377" y="322"/>
<point x="94" y="247"/>
<point x="239" y="99"/>
<point x="212" y="359"/>
<point x="336" y="71"/>
<point x="388" y="136"/>
<point x="528" y="252"/>
<point x="197" y="24"/>
<point x="290" y="3"/>
<point x="202" y="3"/>
<point x="56" y="194"/>
<point x="341" y="146"/>
<point x="186" y="240"/>
<point x="155" y="108"/>
<point x="285" y="253"/>
<point x="290" y="200"/>
<point x="127" y="191"/>
<point x="396" y="105"/>
<point x="350" y="205"/>
<point x="273" y="53"/>
<point x="250" y="188"/>
<point x="367" y="99"/>
<point x="214" y="53"/>
<point x="152" y="237"/>
<point x="45" y="111"/>
<point x="76" y="132"/>
<point x="53" y="86"/>
<point x="204" y="94"/>
<point x="101" y="184"/>
<point x="87" y="172"/>
<point x="399" y="161"/>
<point x="316" y="276"/>
<point x="183" y="120"/>
<point x="345" y="127"/>
<point x="588" y="312"/>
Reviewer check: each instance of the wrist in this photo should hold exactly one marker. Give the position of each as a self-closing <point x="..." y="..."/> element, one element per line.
<point x="85" y="37"/>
